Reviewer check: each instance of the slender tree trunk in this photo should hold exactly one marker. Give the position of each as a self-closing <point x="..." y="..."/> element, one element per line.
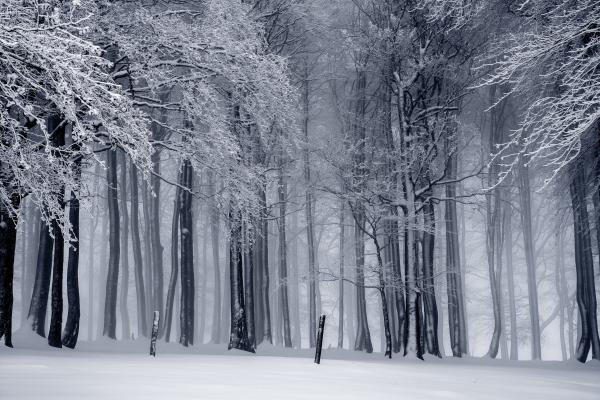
<point x="214" y="229"/>
<point x="41" y="286"/>
<point x="56" y="304"/>
<point x="456" y="306"/>
<point x="384" y="302"/>
<point x="264" y="271"/>
<point x="8" y="241"/>
<point x="202" y="271"/>
<point x="294" y="283"/>
<point x="283" y="276"/>
<point x="429" y="299"/>
<point x="124" y="237"/>
<point x="91" y="280"/>
<point x="341" y="277"/>
<point x="560" y="289"/>
<point x="112" y="278"/>
<point x="310" y="234"/>
<point x="187" y="311"/>
<point x="71" y="331"/>
<point x="249" y="287"/>
<point x="168" y="320"/>
<point x="33" y="237"/>
<point x="148" y="254"/>
<point x="512" y="307"/>
<point x="142" y="312"/>
<point x="525" y="203"/>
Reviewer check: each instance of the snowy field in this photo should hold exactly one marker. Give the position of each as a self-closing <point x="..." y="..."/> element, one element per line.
<point x="119" y="371"/>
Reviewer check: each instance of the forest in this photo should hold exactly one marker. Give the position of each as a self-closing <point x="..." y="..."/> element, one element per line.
<point x="424" y="173"/>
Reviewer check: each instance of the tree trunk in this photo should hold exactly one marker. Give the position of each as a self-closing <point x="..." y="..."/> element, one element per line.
<point x="310" y="234"/>
<point x="525" y="203"/>
<point x="238" y="338"/>
<point x="112" y="277"/>
<point x="71" y="332"/>
<point x="456" y="306"/>
<point x="429" y="299"/>
<point x="41" y="286"/>
<point x="168" y="320"/>
<point x="586" y="291"/>
<point x="142" y="312"/>
<point x="283" y="277"/>
<point x="249" y="287"/>
<point x="341" y="277"/>
<point x="148" y="254"/>
<point x="125" y="328"/>
<point x="214" y="229"/>
<point x="264" y="308"/>
<point x="512" y="307"/>
<point x="8" y="241"/>
<point x="56" y="304"/>
<point x="186" y="337"/>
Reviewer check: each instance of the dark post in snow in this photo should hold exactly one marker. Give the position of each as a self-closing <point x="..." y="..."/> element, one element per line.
<point x="320" y="339"/>
<point x="154" y="334"/>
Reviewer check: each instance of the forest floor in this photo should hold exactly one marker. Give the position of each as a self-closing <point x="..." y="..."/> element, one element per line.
<point x="124" y="371"/>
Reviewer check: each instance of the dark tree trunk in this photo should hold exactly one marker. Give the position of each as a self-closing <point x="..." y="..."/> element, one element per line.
<point x="263" y="273"/>
<point x="186" y="337"/>
<point x="112" y="277"/>
<point x="56" y="304"/>
<point x="586" y="291"/>
<point x="430" y="304"/>
<point x="124" y="294"/>
<point x="456" y="307"/>
<point x="157" y="248"/>
<point x="341" y="277"/>
<point x="147" y="255"/>
<point x="238" y="338"/>
<point x="363" y="334"/>
<point x="168" y="320"/>
<point x="142" y="312"/>
<point x="41" y="286"/>
<point x="249" y="288"/>
<point x="71" y="332"/>
<point x="8" y="240"/>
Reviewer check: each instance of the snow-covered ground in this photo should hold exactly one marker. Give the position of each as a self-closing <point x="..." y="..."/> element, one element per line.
<point x="124" y="371"/>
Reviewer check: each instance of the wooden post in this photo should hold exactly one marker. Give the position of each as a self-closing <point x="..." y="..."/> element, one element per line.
<point x="320" y="339"/>
<point x="154" y="334"/>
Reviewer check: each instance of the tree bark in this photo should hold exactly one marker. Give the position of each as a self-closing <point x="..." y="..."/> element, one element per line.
<point x="112" y="277"/>
<point x="124" y="237"/>
<point x="142" y="312"/>
<point x="429" y="299"/>
<point x="586" y="291"/>
<point x="238" y="338"/>
<point x="283" y="277"/>
<point x="41" y="286"/>
<point x="8" y="241"/>
<point x="214" y="230"/>
<point x="512" y="307"/>
<point x="525" y="203"/>
<point x="186" y="337"/>
<point x="341" y="276"/>
<point x="168" y="320"/>
<point x="71" y="331"/>
<point x="456" y="306"/>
